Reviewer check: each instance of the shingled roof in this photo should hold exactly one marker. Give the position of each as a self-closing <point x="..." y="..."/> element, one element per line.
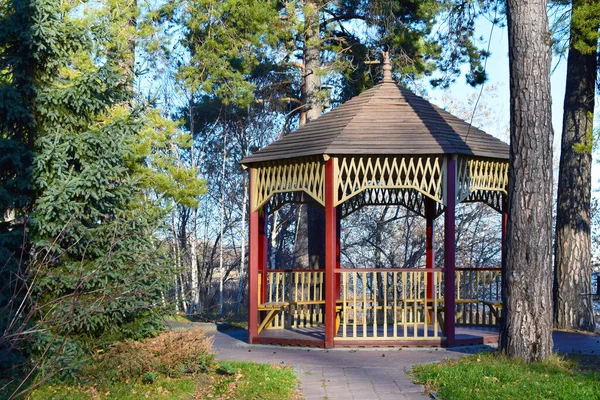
<point x="384" y="120"/>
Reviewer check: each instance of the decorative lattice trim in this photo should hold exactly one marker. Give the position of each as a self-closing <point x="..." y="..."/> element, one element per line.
<point x="306" y="175"/>
<point x="356" y="174"/>
<point x="488" y="175"/>
<point x="476" y="177"/>
<point x="463" y="179"/>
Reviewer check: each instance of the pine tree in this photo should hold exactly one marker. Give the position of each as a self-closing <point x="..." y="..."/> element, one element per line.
<point x="573" y="308"/>
<point x="526" y="330"/>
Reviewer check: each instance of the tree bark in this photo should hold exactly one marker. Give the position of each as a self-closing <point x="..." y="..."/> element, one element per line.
<point x="526" y="330"/>
<point x="573" y="308"/>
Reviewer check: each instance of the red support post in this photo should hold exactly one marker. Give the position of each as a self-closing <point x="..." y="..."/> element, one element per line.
<point x="257" y="261"/>
<point x="331" y="253"/>
<point x="338" y="230"/>
<point x="450" y="253"/>
<point x="429" y="243"/>
<point x="263" y="261"/>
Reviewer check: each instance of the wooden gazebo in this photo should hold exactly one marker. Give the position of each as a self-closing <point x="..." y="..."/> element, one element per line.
<point x="386" y="146"/>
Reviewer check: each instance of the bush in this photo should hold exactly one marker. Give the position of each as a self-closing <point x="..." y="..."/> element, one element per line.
<point x="173" y="354"/>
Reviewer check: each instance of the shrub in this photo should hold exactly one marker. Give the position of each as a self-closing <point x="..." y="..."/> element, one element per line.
<point x="172" y="354"/>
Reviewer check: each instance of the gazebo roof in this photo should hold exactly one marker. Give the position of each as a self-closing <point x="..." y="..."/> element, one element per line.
<point x="384" y="120"/>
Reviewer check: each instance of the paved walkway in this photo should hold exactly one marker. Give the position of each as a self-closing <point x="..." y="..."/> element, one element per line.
<point x="363" y="373"/>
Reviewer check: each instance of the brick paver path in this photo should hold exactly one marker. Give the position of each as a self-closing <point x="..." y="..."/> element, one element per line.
<point x="364" y="373"/>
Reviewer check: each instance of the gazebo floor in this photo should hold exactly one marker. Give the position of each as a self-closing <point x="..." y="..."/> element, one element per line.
<point x="315" y="337"/>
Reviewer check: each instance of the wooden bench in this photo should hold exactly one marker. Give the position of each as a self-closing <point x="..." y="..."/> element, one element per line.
<point x="495" y="306"/>
<point x="274" y="308"/>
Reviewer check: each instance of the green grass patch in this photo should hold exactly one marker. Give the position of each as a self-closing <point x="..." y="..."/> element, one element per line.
<point x="229" y="380"/>
<point x="492" y="376"/>
<point x="255" y="381"/>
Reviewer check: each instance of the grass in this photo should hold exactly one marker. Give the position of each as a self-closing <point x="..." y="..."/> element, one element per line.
<point x="492" y="376"/>
<point x="257" y="381"/>
<point x="174" y="365"/>
<point x="247" y="381"/>
<point x="230" y="321"/>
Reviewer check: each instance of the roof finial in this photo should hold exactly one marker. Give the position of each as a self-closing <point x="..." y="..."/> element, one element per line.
<point x="387" y="68"/>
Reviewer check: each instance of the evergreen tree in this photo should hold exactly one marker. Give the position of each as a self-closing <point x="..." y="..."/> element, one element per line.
<point x="101" y="175"/>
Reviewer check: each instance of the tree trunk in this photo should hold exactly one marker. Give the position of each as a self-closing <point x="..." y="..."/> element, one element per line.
<point x="222" y="224"/>
<point x="526" y="330"/>
<point x="242" y="269"/>
<point x="175" y="259"/>
<point x="194" y="292"/>
<point x="573" y="307"/>
<point x="310" y="248"/>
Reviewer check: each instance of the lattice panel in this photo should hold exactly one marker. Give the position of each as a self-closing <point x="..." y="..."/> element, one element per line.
<point x="356" y="174"/>
<point x="488" y="175"/>
<point x="306" y="175"/>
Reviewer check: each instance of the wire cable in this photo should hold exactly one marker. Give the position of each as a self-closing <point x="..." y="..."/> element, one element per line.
<point x="484" y="71"/>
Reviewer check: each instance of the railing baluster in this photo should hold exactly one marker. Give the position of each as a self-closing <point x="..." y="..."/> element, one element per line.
<point x="308" y="284"/>
<point x="436" y="277"/>
<point x="283" y="275"/>
<point x="385" y="283"/>
<point x="345" y="299"/>
<point x="425" y="306"/>
<point x="270" y="278"/>
<point x="471" y="280"/>
<point x="354" y="308"/>
<point x="477" y="280"/>
<point x="394" y="286"/>
<point x="277" y="278"/>
<point x="404" y="316"/>
<point x="374" y="296"/>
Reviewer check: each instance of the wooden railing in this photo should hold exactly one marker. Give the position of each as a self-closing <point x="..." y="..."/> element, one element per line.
<point x="478" y="296"/>
<point x="384" y="304"/>
<point x="391" y="303"/>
